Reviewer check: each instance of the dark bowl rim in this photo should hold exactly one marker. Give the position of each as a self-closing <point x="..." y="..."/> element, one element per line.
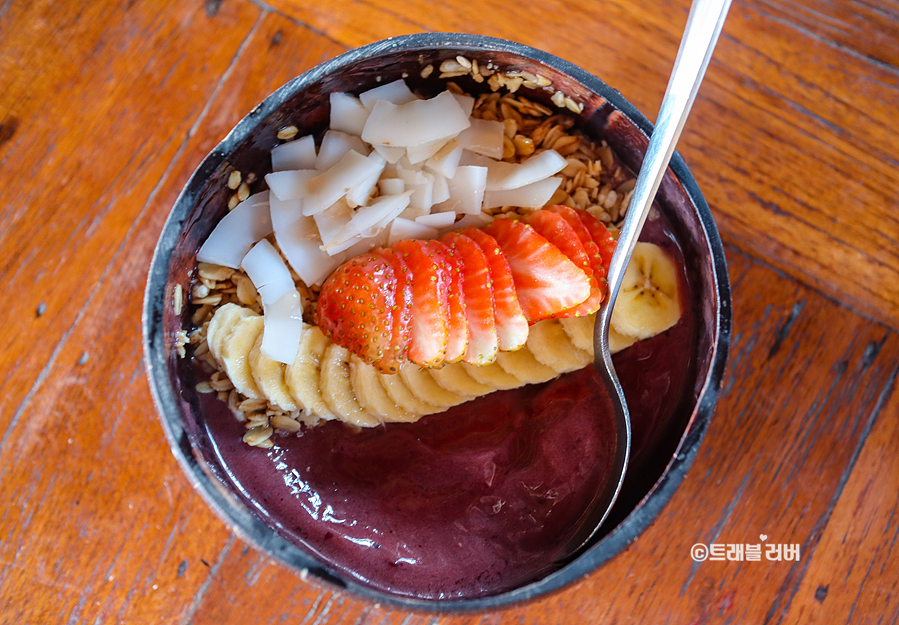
<point x="260" y="535"/>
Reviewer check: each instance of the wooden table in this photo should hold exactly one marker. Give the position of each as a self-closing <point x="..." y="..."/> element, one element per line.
<point x="105" y="109"/>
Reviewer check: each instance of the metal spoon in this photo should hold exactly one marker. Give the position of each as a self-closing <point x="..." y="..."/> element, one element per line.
<point x="700" y="35"/>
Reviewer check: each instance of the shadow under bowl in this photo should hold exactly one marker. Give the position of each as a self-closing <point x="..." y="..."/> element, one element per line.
<point x="664" y="450"/>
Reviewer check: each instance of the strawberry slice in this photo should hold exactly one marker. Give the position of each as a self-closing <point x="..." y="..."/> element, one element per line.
<point x="601" y="236"/>
<point x="477" y="293"/>
<point x="457" y="331"/>
<point x="572" y="216"/>
<point x="556" y="229"/>
<point x="511" y="324"/>
<point x="355" y="306"/>
<point x="547" y="282"/>
<point x="402" y="311"/>
<point x="429" y="327"/>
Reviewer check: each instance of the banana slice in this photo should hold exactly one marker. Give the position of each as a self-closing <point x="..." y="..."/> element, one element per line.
<point x="456" y="379"/>
<point x="580" y="331"/>
<point x="522" y="364"/>
<point x="235" y="352"/>
<point x="222" y="324"/>
<point x="372" y="396"/>
<point x="424" y="387"/>
<point x="303" y="377"/>
<point x="400" y="394"/>
<point x="648" y="302"/>
<point x="337" y="390"/>
<point x="269" y="377"/>
<point x="491" y="375"/>
<point x="550" y="345"/>
<point x="618" y="342"/>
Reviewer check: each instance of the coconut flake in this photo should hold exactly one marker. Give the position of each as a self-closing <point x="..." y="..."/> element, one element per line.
<point x="289" y="185"/>
<point x="467" y="187"/>
<point x="478" y="221"/>
<point x="328" y="187"/>
<point x="395" y="92"/>
<point x="415" y="123"/>
<point x="298" y="238"/>
<point x="441" y="190"/>
<point x="270" y="275"/>
<point x="503" y="176"/>
<point x="236" y="233"/>
<point x="446" y="160"/>
<point x="391" y="186"/>
<point x="484" y="137"/>
<point x="389" y="154"/>
<point x="534" y="195"/>
<point x="466" y="103"/>
<point x="401" y="229"/>
<point x="439" y="221"/>
<point x="347" y="113"/>
<point x="382" y="211"/>
<point x="299" y="154"/>
<point x="423" y="152"/>
<point x="335" y="145"/>
<point x="282" y="304"/>
<point x="282" y="328"/>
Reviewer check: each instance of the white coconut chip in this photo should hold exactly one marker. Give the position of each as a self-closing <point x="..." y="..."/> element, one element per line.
<point x="282" y="304"/>
<point x="289" y="185"/>
<point x="440" y="221"/>
<point x="467" y="187"/>
<point x="299" y="154"/>
<point x="236" y="233"/>
<point x="483" y="137"/>
<point x="298" y="238"/>
<point x="415" y="123"/>
<point x="347" y="113"/>
<point x="382" y="211"/>
<point x="502" y="176"/>
<point x="396" y="92"/>
<point x="534" y="195"/>
<point x="402" y="229"/>
<point x="329" y="186"/>
<point x="335" y="145"/>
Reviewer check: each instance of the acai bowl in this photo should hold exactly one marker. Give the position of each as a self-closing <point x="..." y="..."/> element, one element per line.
<point x="436" y="525"/>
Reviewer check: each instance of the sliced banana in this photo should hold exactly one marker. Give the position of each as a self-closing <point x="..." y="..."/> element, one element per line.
<point x="648" y="302"/>
<point x="580" y="331"/>
<point x="371" y="394"/>
<point x="618" y="342"/>
<point x="337" y="390"/>
<point x="269" y="377"/>
<point x="550" y="345"/>
<point x="456" y="379"/>
<point x="222" y="324"/>
<point x="522" y="364"/>
<point x="303" y="377"/>
<point x="400" y="394"/>
<point x="423" y="386"/>
<point x="235" y="352"/>
<point x="491" y="375"/>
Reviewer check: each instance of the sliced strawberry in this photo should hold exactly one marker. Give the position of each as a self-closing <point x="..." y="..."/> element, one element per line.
<point x="355" y="306"/>
<point x="572" y="216"/>
<point x="547" y="282"/>
<point x="556" y="229"/>
<point x="601" y="236"/>
<point x="457" y="334"/>
<point x="477" y="293"/>
<point x="511" y="324"/>
<point x="429" y="327"/>
<point x="402" y="312"/>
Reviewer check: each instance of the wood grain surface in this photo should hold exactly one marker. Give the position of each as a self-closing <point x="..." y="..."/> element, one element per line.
<point x="107" y="107"/>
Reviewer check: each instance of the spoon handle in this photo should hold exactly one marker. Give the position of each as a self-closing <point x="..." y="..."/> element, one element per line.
<point x="700" y="35"/>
